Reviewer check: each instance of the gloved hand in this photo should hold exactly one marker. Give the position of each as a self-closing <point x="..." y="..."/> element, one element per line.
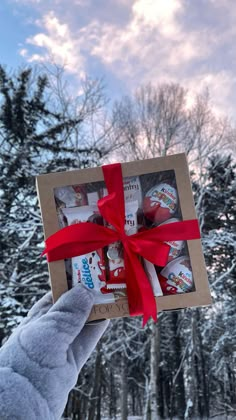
<point x="40" y="362"/>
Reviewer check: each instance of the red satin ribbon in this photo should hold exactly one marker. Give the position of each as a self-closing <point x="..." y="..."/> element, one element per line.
<point x="79" y="239"/>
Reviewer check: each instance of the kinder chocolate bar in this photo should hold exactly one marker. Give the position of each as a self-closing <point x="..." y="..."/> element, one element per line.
<point x="116" y="276"/>
<point x="132" y="190"/>
<point x="88" y="269"/>
<point x="177" y="276"/>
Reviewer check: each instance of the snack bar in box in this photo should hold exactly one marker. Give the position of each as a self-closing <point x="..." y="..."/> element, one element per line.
<point x="157" y="192"/>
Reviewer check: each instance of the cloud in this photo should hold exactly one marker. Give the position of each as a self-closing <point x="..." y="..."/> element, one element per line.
<point x="23" y="52"/>
<point x="55" y="43"/>
<point x="219" y="84"/>
<point x="153" y="40"/>
<point x="153" y="33"/>
<point x="137" y="41"/>
<point x="27" y="1"/>
<point x="159" y="13"/>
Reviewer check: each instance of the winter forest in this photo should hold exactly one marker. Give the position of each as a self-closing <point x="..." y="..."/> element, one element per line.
<point x="183" y="367"/>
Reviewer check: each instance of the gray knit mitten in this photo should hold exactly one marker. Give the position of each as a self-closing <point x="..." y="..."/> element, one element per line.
<point x="40" y="362"/>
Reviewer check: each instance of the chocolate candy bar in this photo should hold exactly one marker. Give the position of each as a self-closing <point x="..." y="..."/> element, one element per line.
<point x="88" y="269"/>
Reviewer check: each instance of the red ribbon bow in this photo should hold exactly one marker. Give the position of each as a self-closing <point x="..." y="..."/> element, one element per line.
<point x="82" y="238"/>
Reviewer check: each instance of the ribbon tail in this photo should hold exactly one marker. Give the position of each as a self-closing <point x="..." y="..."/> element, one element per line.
<point x="140" y="294"/>
<point x="146" y="317"/>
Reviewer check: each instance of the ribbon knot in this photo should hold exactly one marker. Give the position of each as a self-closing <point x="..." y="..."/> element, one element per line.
<point x="82" y="238"/>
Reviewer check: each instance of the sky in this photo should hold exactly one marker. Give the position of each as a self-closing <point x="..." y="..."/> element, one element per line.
<point x="128" y="43"/>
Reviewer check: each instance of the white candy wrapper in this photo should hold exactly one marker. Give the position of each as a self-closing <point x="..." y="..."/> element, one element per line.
<point x="152" y="275"/>
<point x="114" y="253"/>
<point x="88" y="269"/>
<point x="132" y="190"/>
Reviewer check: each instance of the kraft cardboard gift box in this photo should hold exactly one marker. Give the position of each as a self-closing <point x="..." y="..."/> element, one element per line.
<point x="91" y="181"/>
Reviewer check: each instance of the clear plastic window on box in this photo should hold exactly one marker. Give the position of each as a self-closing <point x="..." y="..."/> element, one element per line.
<point x="150" y="200"/>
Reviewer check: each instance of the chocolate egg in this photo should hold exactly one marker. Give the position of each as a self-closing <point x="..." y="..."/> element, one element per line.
<point x="175" y="246"/>
<point x="160" y="203"/>
<point x="177" y="276"/>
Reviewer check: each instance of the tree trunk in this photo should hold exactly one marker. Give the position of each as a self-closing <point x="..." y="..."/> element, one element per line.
<point x="154" y="365"/>
<point x="97" y="384"/>
<point x="113" y="393"/>
<point x="192" y="402"/>
<point x="205" y="393"/>
<point x="124" y="388"/>
<point x="177" y="400"/>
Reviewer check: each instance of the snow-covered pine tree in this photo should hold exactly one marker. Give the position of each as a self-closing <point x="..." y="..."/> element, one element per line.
<point x="218" y="205"/>
<point x="28" y="133"/>
<point x="36" y="136"/>
<point x="155" y="121"/>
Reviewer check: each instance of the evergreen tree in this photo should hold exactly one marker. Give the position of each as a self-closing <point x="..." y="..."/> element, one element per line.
<point x="195" y="348"/>
<point x="34" y="139"/>
<point x="210" y="360"/>
<point x="219" y="239"/>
